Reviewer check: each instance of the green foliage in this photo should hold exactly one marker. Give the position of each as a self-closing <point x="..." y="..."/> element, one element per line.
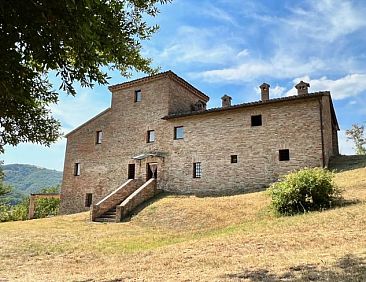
<point x="306" y="190"/>
<point x="47" y="207"/>
<point x="44" y="207"/>
<point x="356" y="134"/>
<point x="76" y="39"/>
<point x="4" y="189"/>
<point x="14" y="213"/>
<point x="27" y="179"/>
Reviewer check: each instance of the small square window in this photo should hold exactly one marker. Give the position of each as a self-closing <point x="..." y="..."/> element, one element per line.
<point x="284" y="155"/>
<point x="179" y="132"/>
<point x="77" y="169"/>
<point x="197" y="170"/>
<point x="138" y="96"/>
<point x="234" y="159"/>
<point x="257" y="120"/>
<point x="99" y="137"/>
<point x="88" y="200"/>
<point x="150" y="136"/>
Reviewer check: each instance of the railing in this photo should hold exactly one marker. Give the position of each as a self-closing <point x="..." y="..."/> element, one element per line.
<point x="114" y="198"/>
<point x="145" y="192"/>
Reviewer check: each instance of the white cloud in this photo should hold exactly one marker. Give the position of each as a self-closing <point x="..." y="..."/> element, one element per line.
<point x="243" y="53"/>
<point x="217" y="13"/>
<point x="197" y="45"/>
<point x="277" y="91"/>
<point x="280" y="66"/>
<point x="326" y="20"/>
<point x="347" y="86"/>
<point x="74" y="111"/>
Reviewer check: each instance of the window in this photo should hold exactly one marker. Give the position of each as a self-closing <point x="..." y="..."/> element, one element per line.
<point x="234" y="159"/>
<point x="138" y="96"/>
<point x="150" y="136"/>
<point x="77" y="169"/>
<point x="257" y="120"/>
<point x="131" y="171"/>
<point x="284" y="155"/>
<point x="88" y="200"/>
<point x="197" y="170"/>
<point x="179" y="132"/>
<point x="99" y="137"/>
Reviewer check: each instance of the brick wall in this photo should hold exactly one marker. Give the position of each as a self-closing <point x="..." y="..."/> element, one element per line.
<point x="209" y="139"/>
<point x="212" y="138"/>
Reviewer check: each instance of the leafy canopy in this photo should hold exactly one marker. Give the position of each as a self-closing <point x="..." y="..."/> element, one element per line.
<point x="356" y="134"/>
<point x="75" y="39"/>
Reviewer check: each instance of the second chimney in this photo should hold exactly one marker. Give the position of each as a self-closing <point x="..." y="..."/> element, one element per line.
<point x="264" y="91"/>
<point x="302" y="88"/>
<point x="226" y="101"/>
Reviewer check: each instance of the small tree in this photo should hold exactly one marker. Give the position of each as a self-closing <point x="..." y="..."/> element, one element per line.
<point x="305" y="190"/>
<point x="356" y="134"/>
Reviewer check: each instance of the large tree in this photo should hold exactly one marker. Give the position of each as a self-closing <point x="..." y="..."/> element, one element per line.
<point x="75" y="38"/>
<point x="4" y="189"/>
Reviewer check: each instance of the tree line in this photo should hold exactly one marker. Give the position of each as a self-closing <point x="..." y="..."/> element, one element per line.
<point x="9" y="212"/>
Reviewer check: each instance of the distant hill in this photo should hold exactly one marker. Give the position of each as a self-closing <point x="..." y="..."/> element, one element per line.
<point x="26" y="179"/>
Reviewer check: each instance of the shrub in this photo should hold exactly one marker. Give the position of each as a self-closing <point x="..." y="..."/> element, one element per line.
<point x="305" y="190"/>
<point x="47" y="207"/>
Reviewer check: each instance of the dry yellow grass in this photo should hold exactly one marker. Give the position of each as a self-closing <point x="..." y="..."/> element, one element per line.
<point x="195" y="239"/>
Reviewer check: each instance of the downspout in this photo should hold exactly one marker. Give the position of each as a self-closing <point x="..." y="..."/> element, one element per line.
<point x="321" y="129"/>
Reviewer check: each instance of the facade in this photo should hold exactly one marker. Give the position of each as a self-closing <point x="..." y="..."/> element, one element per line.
<point x="161" y="121"/>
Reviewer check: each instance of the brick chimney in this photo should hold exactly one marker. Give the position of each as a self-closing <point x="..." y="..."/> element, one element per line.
<point x="302" y="88"/>
<point x="226" y="101"/>
<point x="264" y="91"/>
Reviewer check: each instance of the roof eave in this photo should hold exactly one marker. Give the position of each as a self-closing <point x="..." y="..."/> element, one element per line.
<point x="251" y="104"/>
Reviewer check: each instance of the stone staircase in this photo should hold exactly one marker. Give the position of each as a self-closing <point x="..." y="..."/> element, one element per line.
<point x="118" y="205"/>
<point x="109" y="216"/>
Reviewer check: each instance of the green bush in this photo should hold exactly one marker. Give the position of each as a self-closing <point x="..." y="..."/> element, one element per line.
<point x="306" y="190"/>
<point x="46" y="207"/>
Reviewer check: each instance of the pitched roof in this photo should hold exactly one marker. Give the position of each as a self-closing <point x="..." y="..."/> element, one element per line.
<point x="90" y="120"/>
<point x="258" y="103"/>
<point x="168" y="74"/>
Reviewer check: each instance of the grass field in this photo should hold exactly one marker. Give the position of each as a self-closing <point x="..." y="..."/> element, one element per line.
<point x="178" y="238"/>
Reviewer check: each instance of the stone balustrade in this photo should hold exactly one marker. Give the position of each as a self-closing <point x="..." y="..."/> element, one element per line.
<point x="115" y="198"/>
<point x="142" y="194"/>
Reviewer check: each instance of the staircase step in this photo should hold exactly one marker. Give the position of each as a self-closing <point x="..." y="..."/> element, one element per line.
<point x="104" y="219"/>
<point x="108" y="216"/>
<point x="110" y="213"/>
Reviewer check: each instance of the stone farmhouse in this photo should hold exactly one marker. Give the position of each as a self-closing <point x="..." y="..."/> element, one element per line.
<point x="158" y="136"/>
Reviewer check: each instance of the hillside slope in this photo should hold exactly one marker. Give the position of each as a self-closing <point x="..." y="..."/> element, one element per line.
<point x="182" y="238"/>
<point x="26" y="179"/>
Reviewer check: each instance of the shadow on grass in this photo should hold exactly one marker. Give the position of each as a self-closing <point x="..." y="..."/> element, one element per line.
<point x="345" y="163"/>
<point x="144" y="205"/>
<point x="347" y="268"/>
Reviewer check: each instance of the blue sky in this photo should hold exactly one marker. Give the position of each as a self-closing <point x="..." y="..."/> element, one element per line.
<point x="231" y="47"/>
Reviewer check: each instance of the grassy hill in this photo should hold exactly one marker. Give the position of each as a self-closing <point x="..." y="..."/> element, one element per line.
<point x="27" y="179"/>
<point x="186" y="238"/>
